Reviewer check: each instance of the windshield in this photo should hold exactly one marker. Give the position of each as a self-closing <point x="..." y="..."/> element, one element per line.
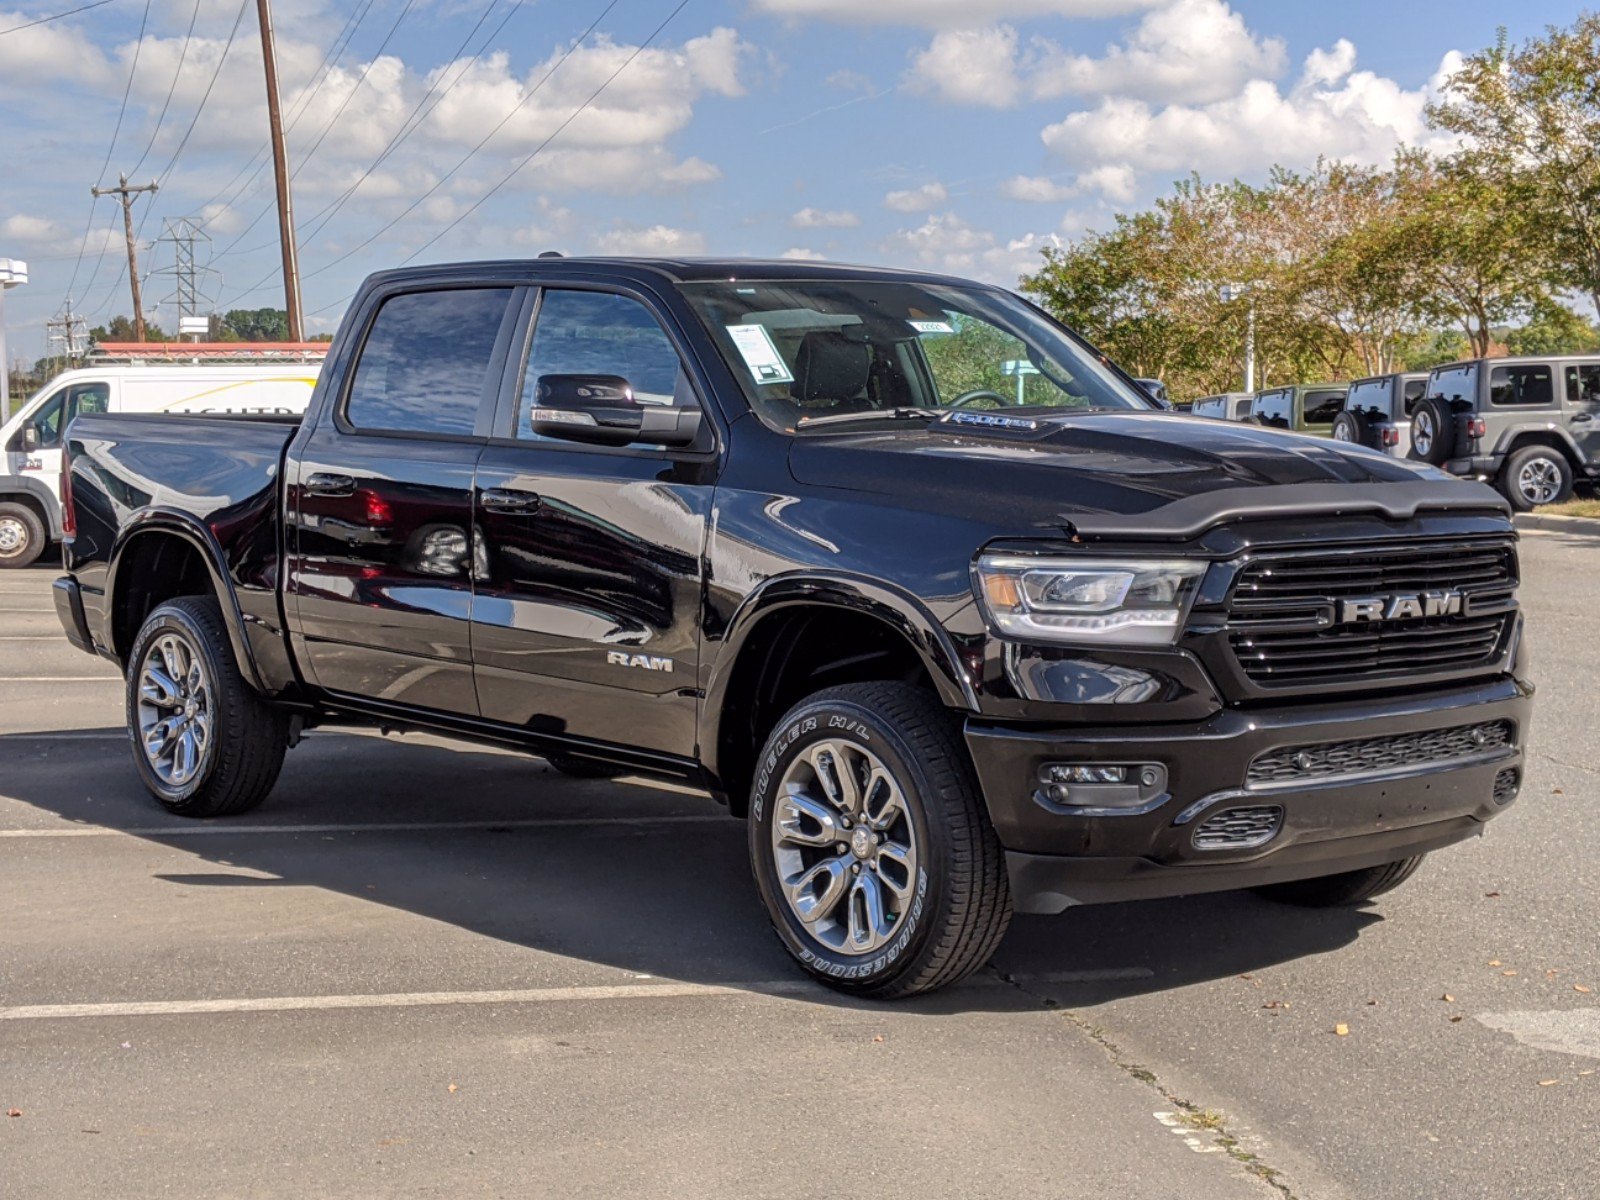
<point x="808" y="352"/>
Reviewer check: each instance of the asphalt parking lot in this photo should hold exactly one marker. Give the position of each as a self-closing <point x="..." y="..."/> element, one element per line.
<point x="423" y="970"/>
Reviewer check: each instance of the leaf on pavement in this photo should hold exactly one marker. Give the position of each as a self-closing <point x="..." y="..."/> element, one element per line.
<point x="1509" y="971"/>
<point x="1494" y="962"/>
<point x="451" y="1088"/>
<point x="1578" y="987"/>
<point x="1341" y="1030"/>
<point x="1491" y="895"/>
<point x="1548" y="1082"/>
<point x="1455" y="1020"/>
<point x="1448" y="998"/>
<point x="13" y="1112"/>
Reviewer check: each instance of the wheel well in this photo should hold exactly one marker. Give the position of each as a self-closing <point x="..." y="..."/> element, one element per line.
<point x="790" y="654"/>
<point x="29" y="501"/>
<point x="1548" y="440"/>
<point x="152" y="569"/>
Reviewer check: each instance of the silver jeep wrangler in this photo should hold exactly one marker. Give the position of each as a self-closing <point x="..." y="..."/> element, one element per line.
<point x="1530" y="426"/>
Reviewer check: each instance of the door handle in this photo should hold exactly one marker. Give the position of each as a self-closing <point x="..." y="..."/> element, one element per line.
<point x="322" y="483"/>
<point x="510" y="500"/>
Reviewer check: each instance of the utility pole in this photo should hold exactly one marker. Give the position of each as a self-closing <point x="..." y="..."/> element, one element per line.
<point x="69" y="331"/>
<point x="126" y="195"/>
<point x="280" y="170"/>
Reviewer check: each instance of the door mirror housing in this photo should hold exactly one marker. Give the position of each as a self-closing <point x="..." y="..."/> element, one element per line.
<point x="600" y="410"/>
<point x="30" y="438"/>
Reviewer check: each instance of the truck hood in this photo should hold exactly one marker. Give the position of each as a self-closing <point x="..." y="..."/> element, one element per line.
<point x="1116" y="470"/>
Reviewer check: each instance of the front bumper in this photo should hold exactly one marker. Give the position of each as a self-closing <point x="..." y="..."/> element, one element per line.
<point x="1327" y="823"/>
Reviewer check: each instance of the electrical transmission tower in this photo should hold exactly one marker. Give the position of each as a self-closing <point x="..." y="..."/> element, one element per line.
<point x="69" y="332"/>
<point x="182" y="233"/>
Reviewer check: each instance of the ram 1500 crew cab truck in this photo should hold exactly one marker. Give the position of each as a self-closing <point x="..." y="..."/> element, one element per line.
<point x="954" y="636"/>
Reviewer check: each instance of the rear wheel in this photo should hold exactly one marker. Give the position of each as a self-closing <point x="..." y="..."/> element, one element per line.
<point x="203" y="742"/>
<point x="871" y="844"/>
<point x="1535" y="476"/>
<point x="22" y="535"/>
<point x="1352" y="887"/>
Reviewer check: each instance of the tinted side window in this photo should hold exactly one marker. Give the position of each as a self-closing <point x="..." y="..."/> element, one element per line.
<point x="602" y="334"/>
<point x="1583" y="385"/>
<point x="1275" y="409"/>
<point x="1323" y="407"/>
<point x="1521" y="385"/>
<point x="88" y="398"/>
<point x="1415" y="389"/>
<point x="426" y="360"/>
<point x="1374" y="394"/>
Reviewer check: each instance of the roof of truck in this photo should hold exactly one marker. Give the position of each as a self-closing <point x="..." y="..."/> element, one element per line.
<point x="685" y="270"/>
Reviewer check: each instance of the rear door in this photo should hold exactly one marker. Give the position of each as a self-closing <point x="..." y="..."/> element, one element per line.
<point x="586" y="623"/>
<point x="381" y="558"/>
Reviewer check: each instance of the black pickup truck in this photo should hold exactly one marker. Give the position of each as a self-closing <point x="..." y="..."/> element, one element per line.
<point x="897" y="568"/>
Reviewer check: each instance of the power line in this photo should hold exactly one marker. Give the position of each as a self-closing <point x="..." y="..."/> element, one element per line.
<point x="533" y="91"/>
<point x="534" y="153"/>
<point x="71" y="12"/>
<point x="320" y="219"/>
<point x="94" y="203"/>
<point x="183" y="54"/>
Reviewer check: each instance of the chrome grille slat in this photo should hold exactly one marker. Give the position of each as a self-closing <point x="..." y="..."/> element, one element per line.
<point x="1282" y="604"/>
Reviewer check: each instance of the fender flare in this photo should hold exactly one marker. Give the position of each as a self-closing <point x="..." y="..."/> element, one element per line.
<point x="173" y="522"/>
<point x="1540" y="433"/>
<point x="899" y="610"/>
<point x="36" y="490"/>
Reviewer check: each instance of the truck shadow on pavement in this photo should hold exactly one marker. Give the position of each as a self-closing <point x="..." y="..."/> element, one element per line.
<point x="612" y="873"/>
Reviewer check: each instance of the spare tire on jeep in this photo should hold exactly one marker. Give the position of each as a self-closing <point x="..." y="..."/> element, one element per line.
<point x="1353" y="425"/>
<point x="1433" y="431"/>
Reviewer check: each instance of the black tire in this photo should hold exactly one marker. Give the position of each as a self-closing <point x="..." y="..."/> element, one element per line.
<point x="583" y="768"/>
<point x="1351" y="425"/>
<point x="246" y="737"/>
<point x="959" y="898"/>
<point x="1337" y="891"/>
<point x="1535" y="476"/>
<point x="22" y="535"/>
<point x="1433" y="431"/>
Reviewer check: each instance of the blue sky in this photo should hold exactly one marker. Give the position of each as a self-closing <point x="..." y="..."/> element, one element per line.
<point x="956" y="134"/>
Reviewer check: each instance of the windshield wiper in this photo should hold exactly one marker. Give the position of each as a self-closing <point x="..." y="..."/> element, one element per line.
<point x="871" y="414"/>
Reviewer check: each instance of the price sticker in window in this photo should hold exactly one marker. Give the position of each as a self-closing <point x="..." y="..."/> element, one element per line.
<point x="755" y="345"/>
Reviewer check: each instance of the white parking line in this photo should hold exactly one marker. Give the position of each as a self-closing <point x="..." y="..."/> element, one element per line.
<point x="548" y="995"/>
<point x="32" y="637"/>
<point x="60" y="679"/>
<point x="224" y="830"/>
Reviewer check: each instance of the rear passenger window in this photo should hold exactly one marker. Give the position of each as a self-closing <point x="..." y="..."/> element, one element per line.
<point x="426" y="361"/>
<point x="1583" y="385"/>
<point x="1323" y="407"/>
<point x="1415" y="389"/>
<point x="1521" y="385"/>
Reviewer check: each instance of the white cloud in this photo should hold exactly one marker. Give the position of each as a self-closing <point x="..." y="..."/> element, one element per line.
<point x="23" y="234"/>
<point x="816" y="218"/>
<point x="657" y="239"/>
<point x="934" y="14"/>
<point x="1037" y="189"/>
<point x="945" y="242"/>
<point x="1116" y="183"/>
<point x="801" y="254"/>
<point x="1332" y="111"/>
<point x="48" y="53"/>
<point x="969" y="66"/>
<point x="1192" y="51"/>
<point x="915" y="200"/>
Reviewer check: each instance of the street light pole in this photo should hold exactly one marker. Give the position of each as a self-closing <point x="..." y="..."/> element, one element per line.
<point x="1240" y="291"/>
<point x="12" y="274"/>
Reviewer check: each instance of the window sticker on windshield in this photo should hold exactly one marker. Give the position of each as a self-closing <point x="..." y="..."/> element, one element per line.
<point x="931" y="326"/>
<point x="760" y="355"/>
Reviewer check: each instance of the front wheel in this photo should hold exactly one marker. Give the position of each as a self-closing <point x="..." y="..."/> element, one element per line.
<point x="1337" y="891"/>
<point x="1535" y="476"/>
<point x="22" y="536"/>
<point x="203" y="742"/>
<point x="871" y="844"/>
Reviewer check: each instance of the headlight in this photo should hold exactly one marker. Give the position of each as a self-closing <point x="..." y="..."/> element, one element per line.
<point x="1087" y="600"/>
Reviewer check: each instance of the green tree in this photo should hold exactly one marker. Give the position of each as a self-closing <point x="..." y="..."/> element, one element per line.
<point x="1531" y="120"/>
<point x="253" y="325"/>
<point x="1553" y="328"/>
<point x="120" y="329"/>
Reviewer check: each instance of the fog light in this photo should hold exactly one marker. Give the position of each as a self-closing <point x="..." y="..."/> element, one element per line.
<point x="1090" y="789"/>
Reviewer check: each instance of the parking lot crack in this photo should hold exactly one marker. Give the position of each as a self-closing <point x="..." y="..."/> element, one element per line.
<point x="1187" y="1115"/>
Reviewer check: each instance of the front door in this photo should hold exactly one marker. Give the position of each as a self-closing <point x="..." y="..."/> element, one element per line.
<point x="381" y="551"/>
<point x="1582" y="409"/>
<point x="34" y="451"/>
<point x="586" y="622"/>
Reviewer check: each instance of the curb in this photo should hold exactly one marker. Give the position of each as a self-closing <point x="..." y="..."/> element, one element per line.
<point x="1581" y="526"/>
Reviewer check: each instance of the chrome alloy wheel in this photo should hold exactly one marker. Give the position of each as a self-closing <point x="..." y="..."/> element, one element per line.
<point x="845" y="846"/>
<point x="13" y="536"/>
<point x="1539" y="481"/>
<point x="174" y="710"/>
<point x="1422" y="432"/>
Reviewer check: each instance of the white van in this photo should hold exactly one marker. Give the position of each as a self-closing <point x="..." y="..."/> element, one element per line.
<point x="184" y="379"/>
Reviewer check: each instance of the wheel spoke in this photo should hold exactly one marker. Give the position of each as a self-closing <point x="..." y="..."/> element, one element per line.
<point x="158" y="688"/>
<point x="881" y="801"/>
<point x="158" y="738"/>
<point x="816" y="892"/>
<point x="807" y="822"/>
<point x="185" y="757"/>
<point x="868" y="920"/>
<point x="893" y="870"/>
<point x="824" y="760"/>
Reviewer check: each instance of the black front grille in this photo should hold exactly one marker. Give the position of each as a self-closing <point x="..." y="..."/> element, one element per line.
<point x="1239" y="828"/>
<point x="1284" y="613"/>
<point x="1324" y="760"/>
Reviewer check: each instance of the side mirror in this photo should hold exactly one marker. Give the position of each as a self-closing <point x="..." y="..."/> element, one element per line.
<point x="30" y="438"/>
<point x="601" y="410"/>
